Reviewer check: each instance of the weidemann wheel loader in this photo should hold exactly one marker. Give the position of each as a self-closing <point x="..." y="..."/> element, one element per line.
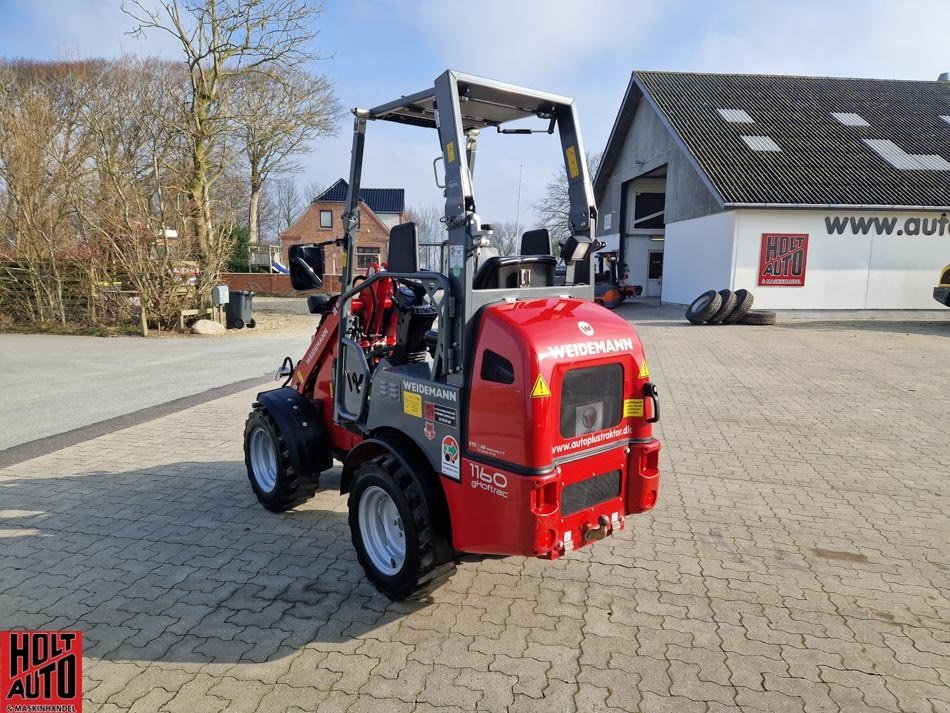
<point x="483" y="409"/>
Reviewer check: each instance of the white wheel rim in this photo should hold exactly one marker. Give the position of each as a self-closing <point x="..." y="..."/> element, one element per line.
<point x="381" y="530"/>
<point x="263" y="459"/>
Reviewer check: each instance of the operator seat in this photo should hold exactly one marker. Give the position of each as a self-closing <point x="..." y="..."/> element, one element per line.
<point x="536" y="242"/>
<point x="514" y="271"/>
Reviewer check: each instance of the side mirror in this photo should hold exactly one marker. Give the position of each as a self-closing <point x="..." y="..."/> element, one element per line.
<point x="306" y="267"/>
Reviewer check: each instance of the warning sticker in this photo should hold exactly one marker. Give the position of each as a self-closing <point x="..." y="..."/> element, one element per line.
<point x="456" y="259"/>
<point x="633" y="408"/>
<point x="451" y="458"/>
<point x="644" y="370"/>
<point x="450" y="151"/>
<point x="572" y="168"/>
<point x="412" y="404"/>
<point x="441" y="414"/>
<point x="540" y="389"/>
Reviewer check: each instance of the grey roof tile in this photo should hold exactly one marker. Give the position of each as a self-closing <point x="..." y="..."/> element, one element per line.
<point x="822" y="161"/>
<point x="379" y="200"/>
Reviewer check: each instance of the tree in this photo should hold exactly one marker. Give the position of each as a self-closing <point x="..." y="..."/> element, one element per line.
<point x="278" y="117"/>
<point x="288" y="202"/>
<point x="431" y="230"/>
<point x="554" y="207"/>
<point x="241" y="239"/>
<point x="222" y="40"/>
<point x="506" y="238"/>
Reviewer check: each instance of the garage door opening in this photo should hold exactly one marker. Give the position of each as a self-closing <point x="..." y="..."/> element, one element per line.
<point x="644" y="226"/>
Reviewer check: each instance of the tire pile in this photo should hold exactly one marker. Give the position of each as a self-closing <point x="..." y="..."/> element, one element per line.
<point x="727" y="307"/>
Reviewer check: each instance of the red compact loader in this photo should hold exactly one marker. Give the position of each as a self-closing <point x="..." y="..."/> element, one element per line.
<point x="483" y="409"/>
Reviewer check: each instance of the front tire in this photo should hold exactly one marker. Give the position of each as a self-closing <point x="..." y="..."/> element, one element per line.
<point x="274" y="479"/>
<point x="392" y="530"/>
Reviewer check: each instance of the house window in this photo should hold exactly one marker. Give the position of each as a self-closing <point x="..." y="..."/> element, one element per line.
<point x="643" y="205"/>
<point x="366" y="257"/>
<point x="326" y="219"/>
<point x="649" y="210"/>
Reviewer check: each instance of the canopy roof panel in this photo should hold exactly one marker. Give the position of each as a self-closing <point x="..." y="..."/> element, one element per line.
<point x="482" y="102"/>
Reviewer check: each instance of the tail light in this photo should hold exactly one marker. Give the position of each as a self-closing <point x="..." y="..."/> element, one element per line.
<point x="643" y="477"/>
<point x="544" y="498"/>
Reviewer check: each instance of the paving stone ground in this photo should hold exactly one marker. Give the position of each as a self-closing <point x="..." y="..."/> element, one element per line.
<point x="799" y="558"/>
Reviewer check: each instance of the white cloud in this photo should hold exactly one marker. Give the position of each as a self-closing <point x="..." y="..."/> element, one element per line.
<point x="881" y="40"/>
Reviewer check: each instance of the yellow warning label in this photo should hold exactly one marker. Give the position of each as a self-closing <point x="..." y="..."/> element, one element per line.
<point x="450" y="151"/>
<point x="633" y="408"/>
<point x="412" y="404"/>
<point x="572" y="168"/>
<point x="644" y="370"/>
<point x="540" y="389"/>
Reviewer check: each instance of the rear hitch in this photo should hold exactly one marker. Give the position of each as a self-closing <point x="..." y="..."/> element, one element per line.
<point x="592" y="534"/>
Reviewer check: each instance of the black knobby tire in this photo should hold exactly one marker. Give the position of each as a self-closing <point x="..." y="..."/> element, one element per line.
<point x="743" y="306"/>
<point x="290" y="487"/>
<point x="704" y="307"/>
<point x="759" y="317"/>
<point x="729" y="301"/>
<point x="420" y="572"/>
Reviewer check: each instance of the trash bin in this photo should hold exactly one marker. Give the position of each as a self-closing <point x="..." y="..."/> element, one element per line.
<point x="239" y="311"/>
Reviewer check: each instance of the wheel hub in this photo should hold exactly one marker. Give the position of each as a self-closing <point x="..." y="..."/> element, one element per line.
<point x="381" y="530"/>
<point x="263" y="459"/>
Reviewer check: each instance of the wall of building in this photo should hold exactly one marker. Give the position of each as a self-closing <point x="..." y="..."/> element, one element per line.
<point x="648" y="146"/>
<point x="848" y="271"/>
<point x="698" y="256"/>
<point x="637" y="262"/>
<point x="390" y="220"/>
<point x="373" y="233"/>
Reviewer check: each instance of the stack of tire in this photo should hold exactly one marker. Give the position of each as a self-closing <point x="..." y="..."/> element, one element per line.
<point x="727" y="307"/>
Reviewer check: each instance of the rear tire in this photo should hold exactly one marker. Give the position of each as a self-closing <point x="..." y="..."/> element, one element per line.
<point x="729" y="301"/>
<point x="238" y="324"/>
<point x="743" y="306"/>
<point x="392" y="531"/>
<point x="273" y="477"/>
<point x="759" y="317"/>
<point x="704" y="307"/>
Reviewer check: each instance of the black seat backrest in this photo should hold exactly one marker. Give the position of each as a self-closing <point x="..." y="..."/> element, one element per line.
<point x="536" y="242"/>
<point x="403" y="248"/>
<point x="515" y="271"/>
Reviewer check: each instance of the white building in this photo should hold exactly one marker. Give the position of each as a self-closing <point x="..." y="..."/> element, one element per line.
<point x="812" y="192"/>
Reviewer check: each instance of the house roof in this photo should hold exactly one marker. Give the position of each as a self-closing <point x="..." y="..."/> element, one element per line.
<point x="895" y="153"/>
<point x="379" y="200"/>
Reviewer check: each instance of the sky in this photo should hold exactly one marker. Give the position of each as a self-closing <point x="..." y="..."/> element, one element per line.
<point x="378" y="50"/>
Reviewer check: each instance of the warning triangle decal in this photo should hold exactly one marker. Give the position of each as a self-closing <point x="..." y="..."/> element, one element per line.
<point x="644" y="370"/>
<point x="540" y="389"/>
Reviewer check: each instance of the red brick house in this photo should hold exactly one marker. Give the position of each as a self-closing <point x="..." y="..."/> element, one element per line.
<point x="380" y="210"/>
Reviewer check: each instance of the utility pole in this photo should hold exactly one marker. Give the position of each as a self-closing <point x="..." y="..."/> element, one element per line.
<point x="518" y="218"/>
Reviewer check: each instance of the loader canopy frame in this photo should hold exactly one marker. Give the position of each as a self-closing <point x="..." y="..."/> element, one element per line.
<point x="458" y="106"/>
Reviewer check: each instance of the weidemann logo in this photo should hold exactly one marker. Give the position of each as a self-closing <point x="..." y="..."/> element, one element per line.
<point x="581" y="349"/>
<point x="428" y="390"/>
